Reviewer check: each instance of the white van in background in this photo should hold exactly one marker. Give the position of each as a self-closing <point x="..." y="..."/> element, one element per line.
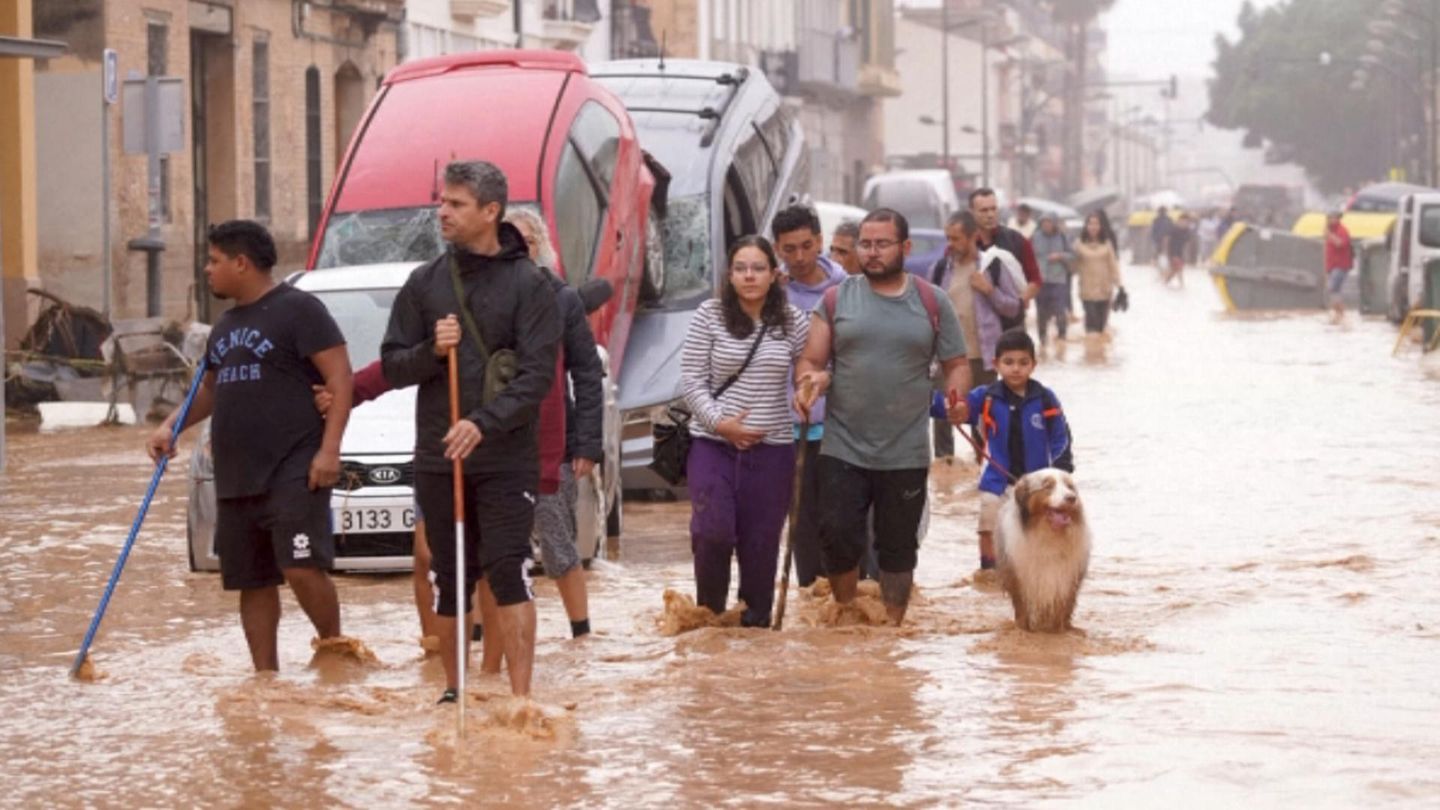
<point x="926" y="197"/>
<point x="832" y="214"/>
<point x="1416" y="238"/>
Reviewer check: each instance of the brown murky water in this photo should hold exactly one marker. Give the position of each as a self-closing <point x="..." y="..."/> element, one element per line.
<point x="1260" y="627"/>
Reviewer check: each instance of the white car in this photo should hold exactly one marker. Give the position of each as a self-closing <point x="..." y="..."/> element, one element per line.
<point x="373" y="506"/>
<point x="926" y="197"/>
<point x="832" y="214"/>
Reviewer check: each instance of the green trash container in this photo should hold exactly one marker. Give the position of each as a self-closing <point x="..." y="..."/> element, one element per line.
<point x="1374" y="262"/>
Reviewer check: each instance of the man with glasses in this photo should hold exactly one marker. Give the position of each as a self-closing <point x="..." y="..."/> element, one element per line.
<point x="881" y="329"/>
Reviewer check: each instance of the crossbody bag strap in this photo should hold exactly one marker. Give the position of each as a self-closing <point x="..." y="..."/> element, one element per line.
<point x="725" y="386"/>
<point x="470" y="327"/>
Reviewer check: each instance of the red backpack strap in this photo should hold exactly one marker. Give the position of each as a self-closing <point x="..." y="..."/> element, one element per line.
<point x="828" y="301"/>
<point x="1050" y="406"/>
<point x="932" y="306"/>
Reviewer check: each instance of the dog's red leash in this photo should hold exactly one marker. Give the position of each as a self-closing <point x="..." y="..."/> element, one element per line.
<point x="954" y="397"/>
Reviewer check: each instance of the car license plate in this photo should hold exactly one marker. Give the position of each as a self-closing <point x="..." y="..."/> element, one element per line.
<point x="372" y="519"/>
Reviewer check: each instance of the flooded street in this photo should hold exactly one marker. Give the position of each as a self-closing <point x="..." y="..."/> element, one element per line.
<point x="1260" y="627"/>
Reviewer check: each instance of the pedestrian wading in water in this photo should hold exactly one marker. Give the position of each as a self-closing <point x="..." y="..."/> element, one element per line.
<point x="504" y="303"/>
<point x="798" y="239"/>
<point x="276" y="457"/>
<point x="735" y="367"/>
<point x="570" y="443"/>
<point x="983" y="292"/>
<point x="1099" y="269"/>
<point x="881" y="329"/>
<point x="1020" y="423"/>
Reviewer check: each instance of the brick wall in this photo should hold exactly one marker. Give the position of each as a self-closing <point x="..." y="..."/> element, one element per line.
<point x="337" y="42"/>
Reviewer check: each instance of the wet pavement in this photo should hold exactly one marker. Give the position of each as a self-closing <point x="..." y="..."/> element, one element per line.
<point x="1260" y="627"/>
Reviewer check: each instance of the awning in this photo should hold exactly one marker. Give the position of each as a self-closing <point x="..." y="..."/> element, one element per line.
<point x="31" y="48"/>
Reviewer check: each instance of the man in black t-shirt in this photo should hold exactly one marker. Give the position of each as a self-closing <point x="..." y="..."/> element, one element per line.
<point x="276" y="457"/>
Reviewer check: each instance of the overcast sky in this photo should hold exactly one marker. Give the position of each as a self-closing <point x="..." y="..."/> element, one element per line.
<point x="1154" y="38"/>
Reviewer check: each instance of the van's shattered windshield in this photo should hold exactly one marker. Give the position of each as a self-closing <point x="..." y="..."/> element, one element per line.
<point x="376" y="237"/>
<point x="687" y="249"/>
<point x="386" y="235"/>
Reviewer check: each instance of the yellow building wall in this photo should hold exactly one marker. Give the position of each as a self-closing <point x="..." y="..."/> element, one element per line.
<point x="17" y="171"/>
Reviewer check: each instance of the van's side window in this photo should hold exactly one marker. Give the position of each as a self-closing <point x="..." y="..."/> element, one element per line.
<point x="582" y="187"/>
<point x="775" y="129"/>
<point x="597" y="134"/>
<point x="579" y="210"/>
<point x="757" y="171"/>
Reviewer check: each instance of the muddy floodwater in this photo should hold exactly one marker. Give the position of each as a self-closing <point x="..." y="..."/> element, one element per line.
<point x="1261" y="627"/>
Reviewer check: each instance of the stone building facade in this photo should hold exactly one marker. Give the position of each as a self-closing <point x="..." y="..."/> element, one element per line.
<point x="272" y="91"/>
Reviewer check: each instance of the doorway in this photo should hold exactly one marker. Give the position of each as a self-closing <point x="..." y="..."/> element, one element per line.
<point x="213" y="150"/>
<point x="349" y="106"/>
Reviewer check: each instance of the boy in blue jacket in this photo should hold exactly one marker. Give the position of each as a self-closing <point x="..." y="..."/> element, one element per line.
<point x="1023" y="429"/>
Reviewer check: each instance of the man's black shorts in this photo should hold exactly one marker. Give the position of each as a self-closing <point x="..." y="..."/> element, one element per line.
<point x="499" y="518"/>
<point x="257" y="536"/>
<point x="898" y="498"/>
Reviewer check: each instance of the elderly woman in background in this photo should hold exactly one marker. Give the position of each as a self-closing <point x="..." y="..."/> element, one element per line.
<point x="570" y="418"/>
<point x="736" y="362"/>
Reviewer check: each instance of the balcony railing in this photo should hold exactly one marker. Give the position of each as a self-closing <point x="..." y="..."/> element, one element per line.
<point x="471" y="9"/>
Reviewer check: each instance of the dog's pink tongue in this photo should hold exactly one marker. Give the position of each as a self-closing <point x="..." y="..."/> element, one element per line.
<point x="1059" y="519"/>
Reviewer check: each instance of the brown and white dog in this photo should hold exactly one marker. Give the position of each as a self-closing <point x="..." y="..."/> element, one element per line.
<point x="1043" y="546"/>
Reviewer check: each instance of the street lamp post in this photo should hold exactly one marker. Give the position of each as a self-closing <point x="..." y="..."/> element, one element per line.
<point x="1426" y="165"/>
<point x="945" y="29"/>
<point x="1429" y="82"/>
<point x="945" y="82"/>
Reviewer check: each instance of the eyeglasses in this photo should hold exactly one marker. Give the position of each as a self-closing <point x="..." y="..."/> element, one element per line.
<point x="877" y="246"/>
<point x="754" y="269"/>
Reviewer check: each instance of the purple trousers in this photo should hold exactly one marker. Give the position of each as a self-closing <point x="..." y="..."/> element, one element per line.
<point x="738" y="501"/>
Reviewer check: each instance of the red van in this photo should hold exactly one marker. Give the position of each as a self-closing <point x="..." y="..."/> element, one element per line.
<point x="565" y="143"/>
<point x="568" y="149"/>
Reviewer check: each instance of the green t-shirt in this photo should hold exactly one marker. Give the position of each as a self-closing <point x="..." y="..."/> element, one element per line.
<point x="878" y="412"/>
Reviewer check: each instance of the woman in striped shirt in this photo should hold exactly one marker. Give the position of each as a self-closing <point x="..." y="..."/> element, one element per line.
<point x="743" y="455"/>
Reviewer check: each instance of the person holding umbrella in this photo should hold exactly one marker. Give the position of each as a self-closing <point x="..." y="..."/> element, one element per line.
<point x="505" y="369"/>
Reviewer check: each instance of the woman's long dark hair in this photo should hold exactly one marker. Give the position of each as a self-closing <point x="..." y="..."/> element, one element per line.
<point x="1106" y="231"/>
<point x="772" y="313"/>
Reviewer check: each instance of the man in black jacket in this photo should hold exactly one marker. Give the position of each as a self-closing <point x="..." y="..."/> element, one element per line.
<point x="513" y="306"/>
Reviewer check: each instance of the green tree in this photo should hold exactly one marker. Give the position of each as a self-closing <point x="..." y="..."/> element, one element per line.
<point x="1274" y="83"/>
<point x="1076" y="16"/>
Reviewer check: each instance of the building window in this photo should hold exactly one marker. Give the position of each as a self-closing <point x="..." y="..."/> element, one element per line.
<point x="157" y="40"/>
<point x="314" y="194"/>
<point x="165" y="212"/>
<point x="260" y="88"/>
<point x="157" y="37"/>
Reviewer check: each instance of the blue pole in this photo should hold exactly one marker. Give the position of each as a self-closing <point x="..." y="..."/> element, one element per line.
<point x="139" y="518"/>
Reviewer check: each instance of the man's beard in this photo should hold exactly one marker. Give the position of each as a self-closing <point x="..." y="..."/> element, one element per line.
<point x="887" y="272"/>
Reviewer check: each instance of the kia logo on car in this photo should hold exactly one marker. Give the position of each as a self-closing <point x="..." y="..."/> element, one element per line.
<point x="384" y="475"/>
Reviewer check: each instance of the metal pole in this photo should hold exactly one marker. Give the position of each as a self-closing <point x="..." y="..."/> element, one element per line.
<point x="104" y="197"/>
<point x="152" y="165"/>
<point x="1429" y="88"/>
<point x="984" y="105"/>
<point x="945" y="83"/>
